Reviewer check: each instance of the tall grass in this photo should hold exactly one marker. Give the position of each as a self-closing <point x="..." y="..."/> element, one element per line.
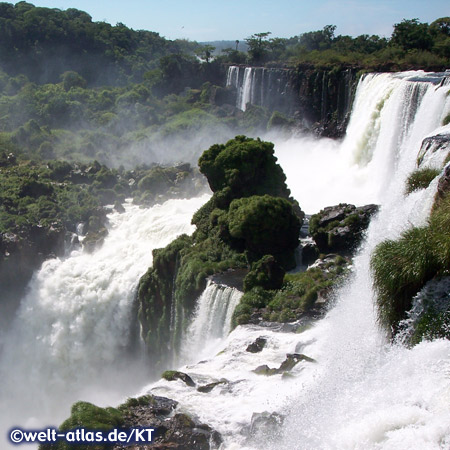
<point x="402" y="267"/>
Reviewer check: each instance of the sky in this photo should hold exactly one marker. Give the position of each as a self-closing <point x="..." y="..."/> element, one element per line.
<point x="209" y="20"/>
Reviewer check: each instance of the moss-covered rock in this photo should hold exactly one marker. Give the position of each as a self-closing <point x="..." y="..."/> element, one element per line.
<point x="170" y="429"/>
<point x="235" y="228"/>
<point x="172" y="375"/>
<point x="266" y="273"/>
<point x="89" y="417"/>
<point x="340" y="228"/>
<point x="301" y="294"/>
<point x="241" y="168"/>
<point x="266" y="225"/>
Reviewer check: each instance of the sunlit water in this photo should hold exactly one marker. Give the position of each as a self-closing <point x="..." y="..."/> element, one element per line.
<point x="71" y="338"/>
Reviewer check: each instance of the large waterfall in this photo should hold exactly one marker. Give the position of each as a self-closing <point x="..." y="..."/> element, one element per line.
<point x="72" y="333"/>
<point x="71" y="337"/>
<point x="362" y="392"/>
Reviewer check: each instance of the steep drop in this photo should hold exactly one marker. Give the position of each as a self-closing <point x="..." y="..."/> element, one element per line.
<point x="73" y="336"/>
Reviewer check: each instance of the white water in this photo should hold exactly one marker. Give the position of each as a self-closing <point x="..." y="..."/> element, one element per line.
<point x="72" y="332"/>
<point x="390" y="116"/>
<point x="363" y="393"/>
<point x="211" y="323"/>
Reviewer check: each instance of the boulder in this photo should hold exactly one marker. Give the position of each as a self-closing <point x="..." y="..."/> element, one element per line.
<point x="210" y="386"/>
<point x="172" y="375"/>
<point x="171" y="431"/>
<point x="257" y="346"/>
<point x="340" y="228"/>
<point x="292" y="359"/>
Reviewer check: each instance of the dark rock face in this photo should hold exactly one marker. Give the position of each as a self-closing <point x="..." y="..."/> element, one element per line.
<point x="171" y="431"/>
<point x="172" y="375"/>
<point x="292" y="359"/>
<point x="443" y="186"/>
<point x="318" y="99"/>
<point x="340" y="228"/>
<point x="257" y="346"/>
<point x="20" y="255"/>
<point x="210" y="386"/>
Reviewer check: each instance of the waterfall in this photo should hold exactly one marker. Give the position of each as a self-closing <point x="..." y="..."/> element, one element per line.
<point x="72" y="335"/>
<point x="271" y="88"/>
<point x="362" y="392"/>
<point x="390" y="118"/>
<point x="211" y="322"/>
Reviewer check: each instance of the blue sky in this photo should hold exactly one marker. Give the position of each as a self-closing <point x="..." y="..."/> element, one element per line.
<point x="203" y="20"/>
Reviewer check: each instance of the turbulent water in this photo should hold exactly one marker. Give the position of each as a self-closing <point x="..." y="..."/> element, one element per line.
<point x="72" y="332"/>
<point x="211" y="322"/>
<point x="362" y="392"/>
<point x="71" y="337"/>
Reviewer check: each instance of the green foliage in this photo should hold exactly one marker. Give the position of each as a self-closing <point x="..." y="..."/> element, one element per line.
<point x="266" y="273"/>
<point x="242" y="167"/>
<point x="446" y="120"/>
<point x="401" y="268"/>
<point x="224" y="239"/>
<point x="432" y="325"/>
<point x="89" y="417"/>
<point x="258" y="45"/>
<point x="411" y="34"/>
<point x="266" y="225"/>
<point x="420" y="179"/>
<point x="296" y="296"/>
<point x="279" y="121"/>
<point x="29" y="197"/>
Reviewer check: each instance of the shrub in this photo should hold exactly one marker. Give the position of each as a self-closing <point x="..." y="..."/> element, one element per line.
<point x="402" y="267"/>
<point x="267" y="225"/>
<point x="420" y="179"/>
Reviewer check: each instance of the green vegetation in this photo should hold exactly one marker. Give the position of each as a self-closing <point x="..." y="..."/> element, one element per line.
<point x="446" y="120"/>
<point x="297" y="294"/>
<point x="91" y="418"/>
<point x="421" y="179"/>
<point x="265" y="225"/>
<point x="249" y="193"/>
<point x="412" y="44"/>
<point x="433" y="324"/>
<point x="402" y="267"/>
<point x="55" y="103"/>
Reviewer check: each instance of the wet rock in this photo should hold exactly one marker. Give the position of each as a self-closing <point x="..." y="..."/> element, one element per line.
<point x="257" y="346"/>
<point x="292" y="359"/>
<point x="443" y="186"/>
<point x="172" y="375"/>
<point x="310" y="252"/>
<point x="265" y="370"/>
<point x="119" y="207"/>
<point x="210" y="386"/>
<point x="171" y="431"/>
<point x="94" y="239"/>
<point x="340" y="228"/>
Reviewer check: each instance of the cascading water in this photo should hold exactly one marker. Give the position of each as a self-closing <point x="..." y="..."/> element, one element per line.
<point x="71" y="339"/>
<point x="391" y="115"/>
<point x="212" y="321"/>
<point x="270" y="88"/>
<point x="362" y="392"/>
